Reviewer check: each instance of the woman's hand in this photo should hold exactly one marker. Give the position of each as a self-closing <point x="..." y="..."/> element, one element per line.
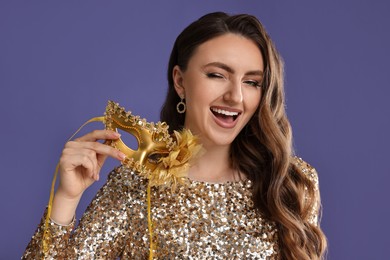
<point x="82" y="160"/>
<point x="80" y="165"/>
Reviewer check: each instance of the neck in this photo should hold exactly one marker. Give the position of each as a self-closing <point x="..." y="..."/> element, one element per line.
<point x="213" y="166"/>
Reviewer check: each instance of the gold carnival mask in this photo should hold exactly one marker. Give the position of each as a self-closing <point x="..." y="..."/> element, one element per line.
<point x="162" y="158"/>
<point x="153" y="140"/>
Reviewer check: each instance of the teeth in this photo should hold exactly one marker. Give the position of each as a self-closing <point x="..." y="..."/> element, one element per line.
<point x="224" y="112"/>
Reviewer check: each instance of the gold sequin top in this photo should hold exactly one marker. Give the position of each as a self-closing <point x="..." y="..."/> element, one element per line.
<point x="197" y="221"/>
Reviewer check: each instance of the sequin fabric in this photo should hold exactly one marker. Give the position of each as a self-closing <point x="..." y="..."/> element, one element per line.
<point x="311" y="173"/>
<point x="197" y="221"/>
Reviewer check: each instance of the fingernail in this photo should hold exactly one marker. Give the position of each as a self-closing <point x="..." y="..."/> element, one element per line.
<point x="116" y="134"/>
<point x="122" y="156"/>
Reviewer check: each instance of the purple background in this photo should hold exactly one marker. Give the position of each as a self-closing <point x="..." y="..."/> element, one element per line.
<point x="60" y="61"/>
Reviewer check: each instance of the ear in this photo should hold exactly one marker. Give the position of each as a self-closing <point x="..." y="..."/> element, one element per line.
<point x="177" y="76"/>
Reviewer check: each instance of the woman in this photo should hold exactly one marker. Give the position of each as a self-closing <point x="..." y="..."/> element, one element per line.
<point x="247" y="196"/>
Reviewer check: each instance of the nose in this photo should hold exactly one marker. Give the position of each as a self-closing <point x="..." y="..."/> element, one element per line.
<point x="234" y="93"/>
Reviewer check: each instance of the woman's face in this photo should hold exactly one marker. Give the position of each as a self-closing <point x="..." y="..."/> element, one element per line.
<point x="221" y="87"/>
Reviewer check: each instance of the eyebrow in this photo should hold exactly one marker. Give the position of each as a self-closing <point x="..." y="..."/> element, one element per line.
<point x="230" y="70"/>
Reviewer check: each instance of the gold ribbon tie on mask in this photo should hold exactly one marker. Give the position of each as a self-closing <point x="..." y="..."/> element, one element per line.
<point x="162" y="158"/>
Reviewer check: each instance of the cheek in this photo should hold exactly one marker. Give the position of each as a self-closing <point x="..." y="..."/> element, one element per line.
<point x="201" y="92"/>
<point x="252" y="100"/>
<point x="196" y="97"/>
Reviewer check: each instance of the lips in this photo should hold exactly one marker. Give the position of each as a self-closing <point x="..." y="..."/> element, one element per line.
<point x="225" y="117"/>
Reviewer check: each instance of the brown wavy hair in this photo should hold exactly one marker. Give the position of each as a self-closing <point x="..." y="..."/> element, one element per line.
<point x="263" y="149"/>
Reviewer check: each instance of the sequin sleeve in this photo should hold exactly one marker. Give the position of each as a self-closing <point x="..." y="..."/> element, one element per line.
<point x="312" y="175"/>
<point x="104" y="227"/>
<point x="59" y="239"/>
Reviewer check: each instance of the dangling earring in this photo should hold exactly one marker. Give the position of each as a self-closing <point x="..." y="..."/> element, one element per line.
<point x="181" y="106"/>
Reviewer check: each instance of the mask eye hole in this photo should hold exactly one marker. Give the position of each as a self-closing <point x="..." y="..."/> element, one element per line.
<point x="154" y="158"/>
<point x="129" y="140"/>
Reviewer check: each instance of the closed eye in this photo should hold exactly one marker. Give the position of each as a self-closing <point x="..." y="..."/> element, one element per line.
<point x="253" y="83"/>
<point x="215" y="75"/>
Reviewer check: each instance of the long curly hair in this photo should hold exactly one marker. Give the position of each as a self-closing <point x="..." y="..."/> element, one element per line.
<point x="263" y="149"/>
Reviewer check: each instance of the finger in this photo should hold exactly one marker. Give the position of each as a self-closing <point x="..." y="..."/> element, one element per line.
<point x="100" y="161"/>
<point x="71" y="162"/>
<point x="90" y="165"/>
<point x="98" y="135"/>
<point x="92" y="156"/>
<point x="74" y="147"/>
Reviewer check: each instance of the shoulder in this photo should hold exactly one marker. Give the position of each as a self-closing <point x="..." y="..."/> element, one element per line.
<point x="311" y="195"/>
<point x="304" y="168"/>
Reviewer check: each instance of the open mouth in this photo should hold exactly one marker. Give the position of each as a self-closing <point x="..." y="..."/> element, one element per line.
<point x="224" y="115"/>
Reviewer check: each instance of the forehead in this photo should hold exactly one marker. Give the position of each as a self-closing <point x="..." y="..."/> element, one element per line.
<point x="232" y="49"/>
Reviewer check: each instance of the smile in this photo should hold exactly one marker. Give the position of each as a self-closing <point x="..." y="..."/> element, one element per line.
<point x="225" y="118"/>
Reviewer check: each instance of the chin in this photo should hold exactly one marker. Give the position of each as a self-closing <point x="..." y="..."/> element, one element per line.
<point x="221" y="140"/>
